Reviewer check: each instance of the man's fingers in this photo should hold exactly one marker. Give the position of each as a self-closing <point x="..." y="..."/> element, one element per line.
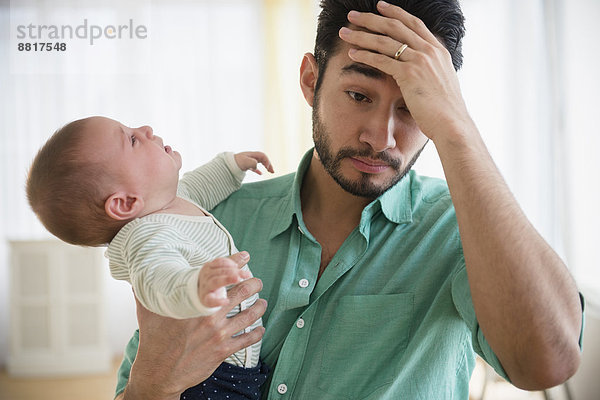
<point x="377" y="43"/>
<point x="413" y="23"/>
<point x="390" y="27"/>
<point x="247" y="317"/>
<point x="382" y="62"/>
<point x="244" y="290"/>
<point x="246" y="339"/>
<point x="239" y="293"/>
<point x="245" y="274"/>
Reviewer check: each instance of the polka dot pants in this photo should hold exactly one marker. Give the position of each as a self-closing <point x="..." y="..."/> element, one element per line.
<point x="230" y="382"/>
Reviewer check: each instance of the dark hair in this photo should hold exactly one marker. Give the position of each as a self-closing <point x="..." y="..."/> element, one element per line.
<point x="443" y="18"/>
<point x="66" y="191"/>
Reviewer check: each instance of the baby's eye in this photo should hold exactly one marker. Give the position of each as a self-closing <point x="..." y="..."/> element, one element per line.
<point x="133" y="139"/>
<point x="358" y="97"/>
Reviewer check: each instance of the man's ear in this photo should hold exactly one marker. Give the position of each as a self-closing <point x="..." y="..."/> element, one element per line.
<point x="122" y="206"/>
<point x="309" y="72"/>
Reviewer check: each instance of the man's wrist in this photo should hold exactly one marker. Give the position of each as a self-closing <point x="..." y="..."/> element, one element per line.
<point x="147" y="387"/>
<point x="131" y="393"/>
<point x="459" y="137"/>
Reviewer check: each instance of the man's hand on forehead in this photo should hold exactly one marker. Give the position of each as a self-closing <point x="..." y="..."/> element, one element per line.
<point x="400" y="45"/>
<point x="392" y="29"/>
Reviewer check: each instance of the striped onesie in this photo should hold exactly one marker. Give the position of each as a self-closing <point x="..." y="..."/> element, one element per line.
<point x="162" y="254"/>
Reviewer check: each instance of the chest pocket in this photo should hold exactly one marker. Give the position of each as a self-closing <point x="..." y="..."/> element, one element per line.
<point x="366" y="338"/>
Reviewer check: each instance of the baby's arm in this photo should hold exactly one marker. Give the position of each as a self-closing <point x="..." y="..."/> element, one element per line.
<point x="168" y="286"/>
<point x="169" y="289"/>
<point x="152" y="257"/>
<point x="213" y="182"/>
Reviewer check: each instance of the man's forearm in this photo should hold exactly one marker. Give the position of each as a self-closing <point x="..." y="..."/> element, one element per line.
<point x="525" y="300"/>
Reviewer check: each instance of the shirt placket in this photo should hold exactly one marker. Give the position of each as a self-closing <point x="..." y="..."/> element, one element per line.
<point x="292" y="355"/>
<point x="301" y="286"/>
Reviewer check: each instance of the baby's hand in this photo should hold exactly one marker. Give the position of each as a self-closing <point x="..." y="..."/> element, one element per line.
<point x="248" y="160"/>
<point x="216" y="275"/>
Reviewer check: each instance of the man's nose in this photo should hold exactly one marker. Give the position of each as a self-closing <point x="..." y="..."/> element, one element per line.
<point x="379" y="133"/>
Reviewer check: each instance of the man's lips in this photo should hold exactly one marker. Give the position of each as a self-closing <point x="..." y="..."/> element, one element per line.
<point x="369" y="166"/>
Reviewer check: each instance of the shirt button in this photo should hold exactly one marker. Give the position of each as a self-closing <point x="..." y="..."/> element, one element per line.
<point x="300" y="323"/>
<point x="282" y="388"/>
<point x="303" y="283"/>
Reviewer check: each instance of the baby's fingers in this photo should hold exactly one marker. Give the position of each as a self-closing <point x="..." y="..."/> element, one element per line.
<point x="267" y="164"/>
<point x="225" y="278"/>
<point x="262" y="158"/>
<point x="215" y="298"/>
<point x="213" y="292"/>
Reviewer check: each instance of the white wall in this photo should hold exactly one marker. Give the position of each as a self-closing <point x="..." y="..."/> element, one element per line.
<point x="199" y="86"/>
<point x="581" y="54"/>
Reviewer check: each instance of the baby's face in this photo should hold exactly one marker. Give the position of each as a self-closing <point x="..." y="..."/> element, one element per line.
<point x="135" y="158"/>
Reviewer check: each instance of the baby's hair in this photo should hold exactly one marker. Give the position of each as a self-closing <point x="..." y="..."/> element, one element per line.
<point x="66" y="191"/>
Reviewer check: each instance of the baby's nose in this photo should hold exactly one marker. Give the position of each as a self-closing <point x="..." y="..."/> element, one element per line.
<point x="147" y="131"/>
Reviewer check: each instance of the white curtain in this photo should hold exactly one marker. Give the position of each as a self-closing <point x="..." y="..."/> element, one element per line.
<point x="530" y="81"/>
<point x="580" y="54"/>
<point x="197" y="79"/>
<point x="508" y="84"/>
<point x="290" y="31"/>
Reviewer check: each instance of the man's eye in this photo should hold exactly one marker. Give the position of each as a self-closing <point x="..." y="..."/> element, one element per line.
<point x="358" y="97"/>
<point x="404" y="110"/>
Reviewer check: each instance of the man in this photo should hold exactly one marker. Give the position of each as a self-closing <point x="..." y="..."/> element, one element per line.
<point x="380" y="283"/>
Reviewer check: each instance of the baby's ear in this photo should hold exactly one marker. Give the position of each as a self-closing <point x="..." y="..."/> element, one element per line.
<point x="121" y="206"/>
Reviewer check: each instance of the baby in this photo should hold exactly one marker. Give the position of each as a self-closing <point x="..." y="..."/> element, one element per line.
<point x="98" y="182"/>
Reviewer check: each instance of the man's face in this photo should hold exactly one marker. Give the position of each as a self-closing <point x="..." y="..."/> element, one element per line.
<point x="364" y="135"/>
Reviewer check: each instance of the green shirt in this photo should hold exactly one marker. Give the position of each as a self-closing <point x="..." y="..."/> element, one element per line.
<point x="390" y="318"/>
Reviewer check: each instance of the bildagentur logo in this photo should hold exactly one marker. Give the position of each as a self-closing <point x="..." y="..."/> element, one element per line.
<point x="84" y="31"/>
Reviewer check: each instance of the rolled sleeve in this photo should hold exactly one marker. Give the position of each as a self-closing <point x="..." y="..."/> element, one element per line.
<point x="461" y="295"/>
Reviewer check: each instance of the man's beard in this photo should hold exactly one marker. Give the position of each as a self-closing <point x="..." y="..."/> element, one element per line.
<point x="363" y="186"/>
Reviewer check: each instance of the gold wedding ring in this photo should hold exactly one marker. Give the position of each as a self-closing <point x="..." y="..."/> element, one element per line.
<point x="400" y="51"/>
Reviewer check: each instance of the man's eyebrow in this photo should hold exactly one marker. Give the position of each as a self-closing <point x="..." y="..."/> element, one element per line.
<point x="363" y="69"/>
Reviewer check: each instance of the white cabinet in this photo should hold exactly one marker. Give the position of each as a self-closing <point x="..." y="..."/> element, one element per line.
<point x="57" y="324"/>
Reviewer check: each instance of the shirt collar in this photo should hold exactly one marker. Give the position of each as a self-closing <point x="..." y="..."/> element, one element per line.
<point x="290" y="205"/>
<point x="396" y="203"/>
